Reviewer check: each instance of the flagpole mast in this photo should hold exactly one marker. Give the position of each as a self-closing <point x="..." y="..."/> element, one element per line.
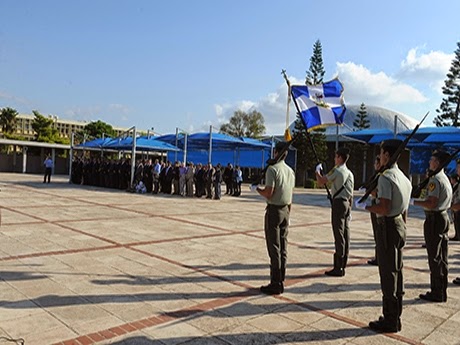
<point x="283" y="72"/>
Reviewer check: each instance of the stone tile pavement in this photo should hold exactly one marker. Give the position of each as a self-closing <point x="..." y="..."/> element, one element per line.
<point x="84" y="265"/>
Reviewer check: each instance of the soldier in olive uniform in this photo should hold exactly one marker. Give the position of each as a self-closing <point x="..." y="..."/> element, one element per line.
<point x="456" y="210"/>
<point x="342" y="180"/>
<point x="394" y="190"/>
<point x="374" y="261"/>
<point x="436" y="228"/>
<point x="279" y="186"/>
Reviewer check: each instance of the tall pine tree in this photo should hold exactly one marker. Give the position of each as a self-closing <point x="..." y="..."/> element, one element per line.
<point x="305" y="157"/>
<point x="316" y="72"/>
<point x="361" y="121"/>
<point x="449" y="110"/>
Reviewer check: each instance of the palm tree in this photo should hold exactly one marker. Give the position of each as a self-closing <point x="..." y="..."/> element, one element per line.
<point x="8" y="120"/>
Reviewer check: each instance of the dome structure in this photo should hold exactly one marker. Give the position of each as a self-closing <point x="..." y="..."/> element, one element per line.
<point x="379" y="118"/>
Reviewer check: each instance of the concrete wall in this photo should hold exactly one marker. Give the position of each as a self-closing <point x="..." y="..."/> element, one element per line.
<point x="12" y="162"/>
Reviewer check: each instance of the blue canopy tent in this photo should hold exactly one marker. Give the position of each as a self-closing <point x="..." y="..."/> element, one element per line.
<point x="95" y="143"/>
<point x="142" y="144"/>
<point x="368" y="134"/>
<point x="220" y="148"/>
<point x="422" y="143"/>
<point x="424" y="132"/>
<point x="443" y="138"/>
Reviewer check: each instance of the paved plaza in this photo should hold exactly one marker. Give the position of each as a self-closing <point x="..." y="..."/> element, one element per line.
<point x="87" y="265"/>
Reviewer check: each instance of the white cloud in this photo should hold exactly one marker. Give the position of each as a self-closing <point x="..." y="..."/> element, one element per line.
<point x="272" y="107"/>
<point x="408" y="89"/>
<point x="361" y="85"/>
<point x="429" y="69"/>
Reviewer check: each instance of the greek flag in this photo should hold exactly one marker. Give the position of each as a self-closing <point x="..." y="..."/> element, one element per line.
<point x="320" y="105"/>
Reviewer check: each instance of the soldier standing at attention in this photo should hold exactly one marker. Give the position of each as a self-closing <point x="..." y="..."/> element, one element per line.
<point x="394" y="190"/>
<point x="279" y="186"/>
<point x="374" y="261"/>
<point x="342" y="188"/>
<point x="436" y="228"/>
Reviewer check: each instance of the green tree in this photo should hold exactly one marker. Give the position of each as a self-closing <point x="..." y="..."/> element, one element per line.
<point x="449" y="110"/>
<point x="306" y="160"/>
<point x="242" y="124"/>
<point x="8" y="120"/>
<point x="98" y="129"/>
<point x="316" y="71"/>
<point x="361" y="121"/>
<point x="44" y="128"/>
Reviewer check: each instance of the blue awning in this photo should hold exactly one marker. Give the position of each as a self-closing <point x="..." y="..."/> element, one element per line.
<point x="424" y="132"/>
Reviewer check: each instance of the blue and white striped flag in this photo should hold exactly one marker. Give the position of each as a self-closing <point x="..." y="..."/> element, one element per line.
<point x="320" y="105"/>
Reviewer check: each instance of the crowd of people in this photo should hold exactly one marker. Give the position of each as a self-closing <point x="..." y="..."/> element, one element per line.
<point x="153" y="176"/>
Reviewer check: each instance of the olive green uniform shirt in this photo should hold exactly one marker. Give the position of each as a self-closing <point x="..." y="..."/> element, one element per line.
<point x="440" y="187"/>
<point x="281" y="178"/>
<point x="396" y="187"/>
<point x="340" y="175"/>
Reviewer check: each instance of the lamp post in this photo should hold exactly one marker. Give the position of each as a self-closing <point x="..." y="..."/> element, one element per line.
<point x="182" y="131"/>
<point x="148" y="132"/>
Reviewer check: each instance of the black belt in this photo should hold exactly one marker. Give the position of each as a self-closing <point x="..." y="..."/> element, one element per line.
<point x="383" y="219"/>
<point x="432" y="213"/>
<point x="277" y="206"/>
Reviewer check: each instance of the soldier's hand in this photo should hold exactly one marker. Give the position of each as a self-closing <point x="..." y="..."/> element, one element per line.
<point x="360" y="205"/>
<point x="253" y="187"/>
<point x="318" y="168"/>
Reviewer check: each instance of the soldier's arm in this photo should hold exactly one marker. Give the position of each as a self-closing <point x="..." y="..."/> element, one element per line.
<point x="383" y="207"/>
<point x="322" y="180"/>
<point x="266" y="192"/>
<point x="430" y="202"/>
<point x="456" y="207"/>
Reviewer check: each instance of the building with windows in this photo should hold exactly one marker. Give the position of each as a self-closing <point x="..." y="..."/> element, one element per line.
<point x="63" y="126"/>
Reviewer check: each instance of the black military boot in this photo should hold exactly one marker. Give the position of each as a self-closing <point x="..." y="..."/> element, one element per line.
<point x="338" y="270"/>
<point x="436" y="294"/>
<point x="276" y="286"/>
<point x="272" y="289"/>
<point x="383" y="326"/>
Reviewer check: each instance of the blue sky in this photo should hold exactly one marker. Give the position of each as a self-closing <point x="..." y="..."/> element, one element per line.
<point x="191" y="64"/>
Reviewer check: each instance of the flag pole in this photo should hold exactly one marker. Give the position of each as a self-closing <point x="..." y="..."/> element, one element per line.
<point x="283" y="72"/>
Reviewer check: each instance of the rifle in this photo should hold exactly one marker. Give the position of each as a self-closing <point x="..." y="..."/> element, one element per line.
<point x="275" y="160"/>
<point x="416" y="192"/>
<point x="372" y="184"/>
<point x="283" y="72"/>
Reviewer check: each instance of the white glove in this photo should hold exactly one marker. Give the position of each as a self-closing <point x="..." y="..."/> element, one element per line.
<point x="411" y="202"/>
<point x="362" y="190"/>
<point x="253" y="187"/>
<point x="318" y="168"/>
<point x="360" y="205"/>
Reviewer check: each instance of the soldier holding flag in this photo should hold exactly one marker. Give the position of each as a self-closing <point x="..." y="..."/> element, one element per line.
<point x="342" y="188"/>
